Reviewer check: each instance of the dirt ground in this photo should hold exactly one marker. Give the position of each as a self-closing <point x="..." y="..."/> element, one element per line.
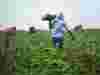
<point x="86" y="58"/>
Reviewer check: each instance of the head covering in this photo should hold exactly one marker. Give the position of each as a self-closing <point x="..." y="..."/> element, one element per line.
<point x="61" y="16"/>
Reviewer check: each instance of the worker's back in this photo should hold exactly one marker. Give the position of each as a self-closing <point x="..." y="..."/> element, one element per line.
<point x="58" y="27"/>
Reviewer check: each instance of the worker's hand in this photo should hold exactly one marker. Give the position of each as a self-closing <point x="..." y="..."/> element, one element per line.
<point x="70" y="33"/>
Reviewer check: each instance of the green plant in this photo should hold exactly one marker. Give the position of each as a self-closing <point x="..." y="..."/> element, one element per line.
<point x="46" y="61"/>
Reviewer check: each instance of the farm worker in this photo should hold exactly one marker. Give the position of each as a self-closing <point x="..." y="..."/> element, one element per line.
<point x="57" y="26"/>
<point x="57" y="32"/>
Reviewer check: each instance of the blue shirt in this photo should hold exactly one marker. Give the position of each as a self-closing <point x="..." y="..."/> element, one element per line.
<point x="58" y="29"/>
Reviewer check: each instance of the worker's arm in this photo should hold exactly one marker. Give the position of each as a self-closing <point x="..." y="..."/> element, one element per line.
<point x="65" y="25"/>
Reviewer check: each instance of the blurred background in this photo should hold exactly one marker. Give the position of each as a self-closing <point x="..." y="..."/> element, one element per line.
<point x="19" y="13"/>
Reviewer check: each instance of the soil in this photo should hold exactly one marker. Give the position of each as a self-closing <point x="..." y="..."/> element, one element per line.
<point x="85" y="58"/>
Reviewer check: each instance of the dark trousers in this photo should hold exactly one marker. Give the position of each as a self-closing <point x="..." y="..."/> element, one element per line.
<point x="58" y="42"/>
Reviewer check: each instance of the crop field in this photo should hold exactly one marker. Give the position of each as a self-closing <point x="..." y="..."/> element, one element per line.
<point x="43" y="39"/>
<point x="36" y="55"/>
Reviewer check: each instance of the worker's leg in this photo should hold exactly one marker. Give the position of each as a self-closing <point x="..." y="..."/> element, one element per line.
<point x="54" y="42"/>
<point x="58" y="42"/>
<point x="61" y="42"/>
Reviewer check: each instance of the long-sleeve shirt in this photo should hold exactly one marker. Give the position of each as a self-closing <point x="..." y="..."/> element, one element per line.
<point x="58" y="29"/>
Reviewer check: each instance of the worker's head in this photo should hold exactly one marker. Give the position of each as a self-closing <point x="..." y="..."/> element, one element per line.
<point x="61" y="14"/>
